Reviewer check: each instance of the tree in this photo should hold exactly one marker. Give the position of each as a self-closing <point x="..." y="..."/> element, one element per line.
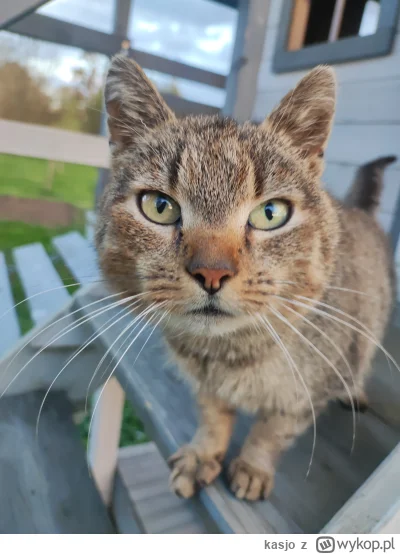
<point x="23" y="96"/>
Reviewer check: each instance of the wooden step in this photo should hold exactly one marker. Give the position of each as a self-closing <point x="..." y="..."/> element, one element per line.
<point x="142" y="501"/>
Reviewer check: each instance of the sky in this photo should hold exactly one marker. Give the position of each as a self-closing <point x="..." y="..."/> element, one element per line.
<point x="197" y="32"/>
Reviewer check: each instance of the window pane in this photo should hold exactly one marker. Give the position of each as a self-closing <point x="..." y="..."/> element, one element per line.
<point x="49" y="84"/>
<point x="93" y="14"/>
<point x="370" y="18"/>
<point x="200" y="33"/>
<point x="189" y="90"/>
<point x="360" y="17"/>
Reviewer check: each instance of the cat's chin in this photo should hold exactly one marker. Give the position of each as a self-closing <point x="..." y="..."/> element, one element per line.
<point x="208" y="325"/>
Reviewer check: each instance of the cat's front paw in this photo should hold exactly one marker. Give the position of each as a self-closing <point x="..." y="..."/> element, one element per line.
<point x="249" y="483"/>
<point x="190" y="471"/>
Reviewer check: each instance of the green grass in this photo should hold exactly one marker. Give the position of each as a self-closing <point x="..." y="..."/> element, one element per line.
<point x="28" y="178"/>
<point x="132" y="430"/>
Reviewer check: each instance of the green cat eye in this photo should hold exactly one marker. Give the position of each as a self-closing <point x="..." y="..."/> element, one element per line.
<point x="270" y="215"/>
<point x="159" y="208"/>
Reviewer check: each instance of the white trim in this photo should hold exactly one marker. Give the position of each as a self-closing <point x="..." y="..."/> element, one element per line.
<point x="38" y="141"/>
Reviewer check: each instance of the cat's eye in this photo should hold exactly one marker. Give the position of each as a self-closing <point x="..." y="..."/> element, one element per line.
<point x="270" y="215"/>
<point x="159" y="208"/>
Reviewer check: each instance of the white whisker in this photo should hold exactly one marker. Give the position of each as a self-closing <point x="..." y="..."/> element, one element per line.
<point x="136" y="321"/>
<point x="117" y="364"/>
<point x="346" y="324"/>
<point x="333" y="367"/>
<point x="95" y="336"/>
<point x="294" y="367"/>
<point x="60" y="335"/>
<point x="51" y="325"/>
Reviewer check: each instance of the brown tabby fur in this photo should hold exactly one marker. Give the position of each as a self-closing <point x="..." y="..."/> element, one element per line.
<point x="218" y="171"/>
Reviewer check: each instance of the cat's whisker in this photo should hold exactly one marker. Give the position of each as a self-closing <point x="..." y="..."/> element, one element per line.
<point x="294" y="367"/>
<point x="59" y="335"/>
<point x="326" y="337"/>
<point x="339" y="351"/>
<point x="322" y="355"/>
<point x="117" y="364"/>
<point x="39" y="294"/>
<point x="341" y="312"/>
<point x="55" y="323"/>
<point x="95" y="336"/>
<point x="336" y="310"/>
<point x="279" y="342"/>
<point x="331" y="287"/>
<point x="136" y="321"/>
<point x="346" y="324"/>
<point x="344" y="289"/>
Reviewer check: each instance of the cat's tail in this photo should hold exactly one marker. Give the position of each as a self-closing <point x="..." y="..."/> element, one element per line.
<point x="365" y="191"/>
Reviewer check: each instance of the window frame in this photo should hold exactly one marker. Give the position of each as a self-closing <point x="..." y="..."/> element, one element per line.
<point x="340" y="51"/>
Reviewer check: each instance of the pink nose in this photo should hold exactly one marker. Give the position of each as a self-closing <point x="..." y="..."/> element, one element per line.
<point x="211" y="279"/>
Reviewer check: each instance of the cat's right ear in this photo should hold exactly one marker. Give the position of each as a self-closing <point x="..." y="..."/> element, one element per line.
<point x="133" y="103"/>
<point x="305" y="114"/>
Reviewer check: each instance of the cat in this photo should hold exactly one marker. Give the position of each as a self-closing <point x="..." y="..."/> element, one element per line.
<point x="230" y="239"/>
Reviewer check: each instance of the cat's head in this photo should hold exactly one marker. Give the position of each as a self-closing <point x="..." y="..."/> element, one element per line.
<point x="211" y="219"/>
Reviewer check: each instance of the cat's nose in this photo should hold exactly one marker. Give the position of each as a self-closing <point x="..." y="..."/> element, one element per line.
<point x="211" y="279"/>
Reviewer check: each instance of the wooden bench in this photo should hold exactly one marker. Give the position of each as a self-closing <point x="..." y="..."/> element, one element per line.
<point x="45" y="485"/>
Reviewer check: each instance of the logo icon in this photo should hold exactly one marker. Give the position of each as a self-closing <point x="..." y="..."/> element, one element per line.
<point x="325" y="545"/>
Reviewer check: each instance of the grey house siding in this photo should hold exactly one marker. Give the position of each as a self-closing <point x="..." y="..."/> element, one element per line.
<point x="367" y="123"/>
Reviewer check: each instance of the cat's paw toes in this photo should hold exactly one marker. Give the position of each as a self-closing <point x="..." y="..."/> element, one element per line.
<point x="249" y="483"/>
<point x="189" y="471"/>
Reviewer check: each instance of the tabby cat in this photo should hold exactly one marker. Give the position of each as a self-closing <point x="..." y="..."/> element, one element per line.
<point x="273" y="294"/>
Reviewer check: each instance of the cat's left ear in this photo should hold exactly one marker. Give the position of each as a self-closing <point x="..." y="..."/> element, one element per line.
<point x="305" y="114"/>
<point x="133" y="104"/>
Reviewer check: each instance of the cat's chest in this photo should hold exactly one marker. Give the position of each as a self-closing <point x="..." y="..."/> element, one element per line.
<point x="248" y="376"/>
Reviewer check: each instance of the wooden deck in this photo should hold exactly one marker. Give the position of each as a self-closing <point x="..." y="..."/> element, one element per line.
<point x="297" y="505"/>
<point x="142" y="497"/>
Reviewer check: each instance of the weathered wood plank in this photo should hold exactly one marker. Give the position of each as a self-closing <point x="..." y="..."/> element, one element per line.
<point x="45" y="485"/>
<point x="155" y="510"/>
<point x="79" y="256"/>
<point x="10" y="331"/>
<point x="165" y="405"/>
<point x="41" y="282"/>
<point x="372" y="501"/>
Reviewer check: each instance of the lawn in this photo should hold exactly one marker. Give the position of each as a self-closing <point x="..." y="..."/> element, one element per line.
<point x="26" y="177"/>
<point x="31" y="178"/>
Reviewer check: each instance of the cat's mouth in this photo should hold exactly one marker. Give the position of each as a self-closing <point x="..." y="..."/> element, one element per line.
<point x="210" y="310"/>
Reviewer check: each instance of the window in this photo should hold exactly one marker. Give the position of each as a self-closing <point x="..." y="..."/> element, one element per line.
<point x="334" y="31"/>
<point x="202" y="36"/>
<point x="92" y="14"/>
